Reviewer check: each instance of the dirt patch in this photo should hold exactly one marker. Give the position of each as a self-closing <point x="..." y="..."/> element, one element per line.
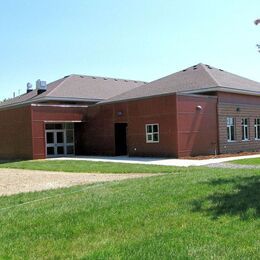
<point x="13" y="181"/>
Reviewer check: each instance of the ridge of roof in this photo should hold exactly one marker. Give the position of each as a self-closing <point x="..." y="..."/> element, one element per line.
<point x="206" y="68"/>
<point x="210" y="70"/>
<point x="59" y="84"/>
<point x="107" y="78"/>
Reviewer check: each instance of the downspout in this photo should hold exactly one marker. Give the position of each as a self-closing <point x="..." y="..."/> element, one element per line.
<point x="217" y="122"/>
<point x="177" y="126"/>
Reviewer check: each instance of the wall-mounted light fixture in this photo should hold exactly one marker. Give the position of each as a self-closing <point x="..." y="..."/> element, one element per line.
<point x="199" y="108"/>
<point x="238" y="109"/>
<point x="119" y="113"/>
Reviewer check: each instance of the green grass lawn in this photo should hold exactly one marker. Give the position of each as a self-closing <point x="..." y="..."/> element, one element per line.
<point x="251" y="161"/>
<point x="199" y="213"/>
<point x="87" y="166"/>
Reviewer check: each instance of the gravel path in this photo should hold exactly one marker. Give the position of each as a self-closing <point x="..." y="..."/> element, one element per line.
<point x="232" y="166"/>
<point x="13" y="181"/>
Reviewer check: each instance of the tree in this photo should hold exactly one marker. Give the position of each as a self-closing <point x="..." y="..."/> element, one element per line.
<point x="257" y="21"/>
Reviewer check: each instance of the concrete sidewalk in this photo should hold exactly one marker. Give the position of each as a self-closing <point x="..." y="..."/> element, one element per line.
<point x="156" y="161"/>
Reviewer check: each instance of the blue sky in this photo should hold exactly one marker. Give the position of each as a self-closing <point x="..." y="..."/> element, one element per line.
<point x="132" y="39"/>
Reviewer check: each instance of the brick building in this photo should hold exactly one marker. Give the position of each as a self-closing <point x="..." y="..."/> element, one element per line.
<point x="197" y="111"/>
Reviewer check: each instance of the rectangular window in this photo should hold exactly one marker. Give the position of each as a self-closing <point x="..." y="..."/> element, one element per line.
<point x="230" y="129"/>
<point x="152" y="133"/>
<point x="245" y="129"/>
<point x="257" y="129"/>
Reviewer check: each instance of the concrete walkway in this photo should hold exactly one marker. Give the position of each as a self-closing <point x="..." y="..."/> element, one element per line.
<point x="157" y="161"/>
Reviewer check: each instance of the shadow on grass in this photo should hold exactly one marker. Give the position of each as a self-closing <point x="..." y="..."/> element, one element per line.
<point x="3" y="161"/>
<point x="238" y="196"/>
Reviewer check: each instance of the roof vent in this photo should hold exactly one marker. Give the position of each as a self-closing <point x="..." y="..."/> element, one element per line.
<point x="41" y="86"/>
<point x="29" y="87"/>
<point x="221" y="70"/>
<point x="93" y="77"/>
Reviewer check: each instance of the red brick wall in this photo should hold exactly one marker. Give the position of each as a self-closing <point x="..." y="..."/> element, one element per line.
<point x="161" y="110"/>
<point x="99" y="130"/>
<point x="16" y="133"/>
<point x="197" y="129"/>
<point x="249" y="107"/>
<point x="193" y="135"/>
<point x="40" y="114"/>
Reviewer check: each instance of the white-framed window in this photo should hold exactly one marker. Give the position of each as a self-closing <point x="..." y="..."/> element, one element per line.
<point x="230" y="129"/>
<point x="152" y="133"/>
<point x="245" y="129"/>
<point x="257" y="128"/>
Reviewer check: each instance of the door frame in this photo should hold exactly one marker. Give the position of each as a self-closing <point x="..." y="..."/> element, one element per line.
<point x="55" y="145"/>
<point x="119" y="152"/>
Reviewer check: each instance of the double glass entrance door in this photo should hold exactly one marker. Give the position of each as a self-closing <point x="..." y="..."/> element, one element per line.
<point x="59" y="142"/>
<point x="55" y="143"/>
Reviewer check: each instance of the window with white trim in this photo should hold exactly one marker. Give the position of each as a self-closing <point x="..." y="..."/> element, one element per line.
<point x="230" y="129"/>
<point x="152" y="133"/>
<point x="245" y="129"/>
<point x="257" y="128"/>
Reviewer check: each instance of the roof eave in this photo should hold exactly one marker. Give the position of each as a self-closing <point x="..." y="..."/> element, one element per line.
<point x="197" y="91"/>
<point x="223" y="89"/>
<point x="44" y="99"/>
<point x="47" y="98"/>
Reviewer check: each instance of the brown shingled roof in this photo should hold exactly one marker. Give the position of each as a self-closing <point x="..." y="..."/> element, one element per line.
<point x="77" y="88"/>
<point x="196" y="79"/>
